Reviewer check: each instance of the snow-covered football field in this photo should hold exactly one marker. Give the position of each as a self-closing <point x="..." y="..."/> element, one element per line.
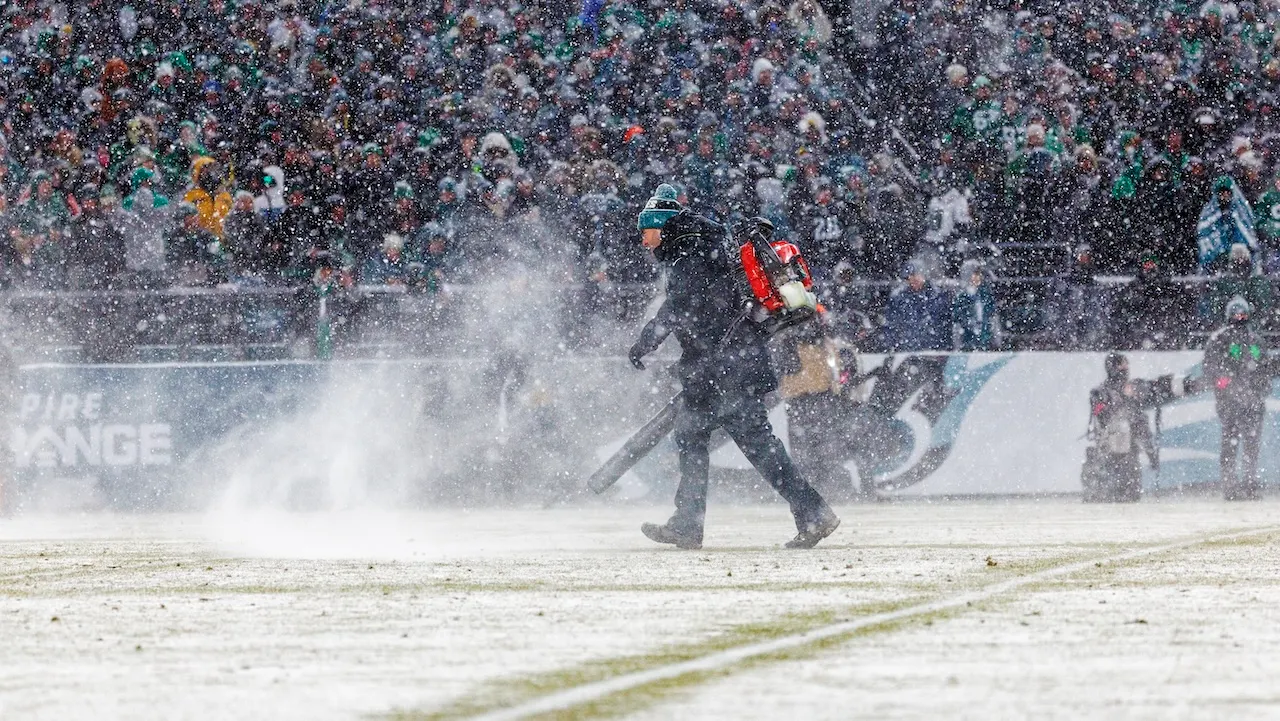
<point x="998" y="609"/>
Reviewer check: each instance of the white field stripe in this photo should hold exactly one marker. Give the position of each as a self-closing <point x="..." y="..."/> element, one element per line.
<point x="587" y="693"/>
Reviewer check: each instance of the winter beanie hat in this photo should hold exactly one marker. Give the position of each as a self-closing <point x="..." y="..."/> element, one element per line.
<point x="1238" y="306"/>
<point x="660" y="208"/>
<point x="1123" y="188"/>
<point x="140" y="176"/>
<point x="759" y="67"/>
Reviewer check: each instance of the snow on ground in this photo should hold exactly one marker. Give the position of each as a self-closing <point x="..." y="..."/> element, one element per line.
<point x="451" y="613"/>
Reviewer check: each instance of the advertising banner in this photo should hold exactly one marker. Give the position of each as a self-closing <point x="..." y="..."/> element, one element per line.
<point x="154" y="435"/>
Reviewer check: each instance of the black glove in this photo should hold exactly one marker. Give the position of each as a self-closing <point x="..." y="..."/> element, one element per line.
<point x="637" y="352"/>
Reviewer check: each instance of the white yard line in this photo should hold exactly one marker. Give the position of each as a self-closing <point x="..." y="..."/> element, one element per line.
<point x="587" y="693"/>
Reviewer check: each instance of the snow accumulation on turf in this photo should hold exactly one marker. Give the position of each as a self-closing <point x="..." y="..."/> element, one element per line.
<point x="455" y="614"/>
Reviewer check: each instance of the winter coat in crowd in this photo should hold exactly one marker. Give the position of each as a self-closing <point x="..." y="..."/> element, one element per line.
<point x="145" y="219"/>
<point x="1223" y="224"/>
<point x="271" y="203"/>
<point x="97" y="250"/>
<point x="212" y="201"/>
<point x="1267" y="214"/>
<point x="1238" y="277"/>
<point x="917" y="318"/>
<point x="246" y="235"/>
<point x="1151" y="311"/>
<point x="388" y="267"/>
<point x="194" y="255"/>
<point x="829" y="234"/>
<point x="1076" y="312"/>
<point x="1159" y="203"/>
<point x="973" y="310"/>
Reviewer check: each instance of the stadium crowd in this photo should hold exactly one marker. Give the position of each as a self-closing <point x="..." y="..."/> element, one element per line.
<point x="279" y="142"/>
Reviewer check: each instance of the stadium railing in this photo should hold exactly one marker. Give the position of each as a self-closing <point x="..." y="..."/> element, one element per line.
<point x="250" y="323"/>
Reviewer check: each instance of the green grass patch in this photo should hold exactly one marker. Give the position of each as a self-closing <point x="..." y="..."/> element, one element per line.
<point x="508" y="692"/>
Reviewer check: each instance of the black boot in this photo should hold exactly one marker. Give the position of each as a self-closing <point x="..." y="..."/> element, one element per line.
<point x="823" y="525"/>
<point x="666" y="534"/>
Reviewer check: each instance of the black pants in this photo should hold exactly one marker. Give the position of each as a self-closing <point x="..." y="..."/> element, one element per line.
<point x="745" y="418"/>
<point x="1241" y="429"/>
<point x="818" y="428"/>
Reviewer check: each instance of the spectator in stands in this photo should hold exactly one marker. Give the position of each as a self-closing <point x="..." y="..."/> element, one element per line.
<point x="431" y="248"/>
<point x="96" y="252"/>
<point x="389" y="267"/>
<point x="303" y="229"/>
<point x="828" y="228"/>
<point x="894" y="230"/>
<point x="1239" y="276"/>
<point x="973" y="310"/>
<point x="193" y="254"/>
<point x="950" y="221"/>
<point x="917" y="316"/>
<point x="1033" y="176"/>
<point x="1076" y="313"/>
<point x="1267" y="215"/>
<point x="207" y="193"/>
<point x="1225" y="220"/>
<point x="144" y="220"/>
<point x="39" y="235"/>
<point x="248" y="241"/>
<point x="1159" y="200"/>
<point x="271" y="203"/>
<point x="368" y="198"/>
<point x="1153" y="311"/>
<point x="1081" y="199"/>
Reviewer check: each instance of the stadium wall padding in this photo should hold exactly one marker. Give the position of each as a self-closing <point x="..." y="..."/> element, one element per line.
<point x="144" y="435"/>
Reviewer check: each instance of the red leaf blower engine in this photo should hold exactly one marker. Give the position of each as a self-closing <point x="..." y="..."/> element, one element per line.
<point x="778" y="275"/>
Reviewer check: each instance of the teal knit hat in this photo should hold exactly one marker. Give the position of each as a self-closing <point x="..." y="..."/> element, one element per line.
<point x="139" y="176"/>
<point x="660" y="208"/>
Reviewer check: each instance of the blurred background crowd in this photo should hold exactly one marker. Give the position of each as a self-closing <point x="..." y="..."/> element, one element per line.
<point x="960" y="174"/>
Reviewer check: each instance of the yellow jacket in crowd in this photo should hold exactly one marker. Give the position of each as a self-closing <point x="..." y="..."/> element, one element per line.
<point x="212" y="208"/>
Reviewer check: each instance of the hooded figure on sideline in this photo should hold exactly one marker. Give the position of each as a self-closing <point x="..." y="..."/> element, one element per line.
<point x="1237" y="364"/>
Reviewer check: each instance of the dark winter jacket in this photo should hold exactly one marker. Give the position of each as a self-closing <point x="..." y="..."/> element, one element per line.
<point x="721" y="348"/>
<point x="97" y="252"/>
<point x="830" y="235"/>
<point x="917" y="320"/>
<point x="1158" y="206"/>
<point x="1236" y="280"/>
<point x="245" y="235"/>
<point x="1152" y="311"/>
<point x="1237" y="364"/>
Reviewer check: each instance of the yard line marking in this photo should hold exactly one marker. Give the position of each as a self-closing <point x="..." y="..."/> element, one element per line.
<point x="596" y="690"/>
